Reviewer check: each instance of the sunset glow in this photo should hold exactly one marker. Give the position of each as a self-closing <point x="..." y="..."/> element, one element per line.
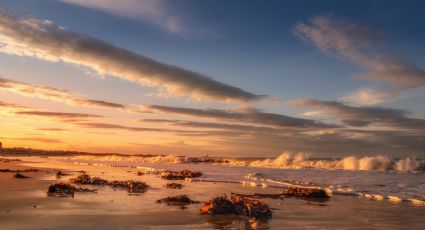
<point x="168" y="83"/>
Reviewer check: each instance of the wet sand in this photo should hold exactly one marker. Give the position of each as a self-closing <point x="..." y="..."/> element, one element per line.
<point x="24" y="204"/>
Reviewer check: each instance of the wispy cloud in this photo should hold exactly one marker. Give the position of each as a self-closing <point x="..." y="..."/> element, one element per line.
<point x="250" y="116"/>
<point x="364" y="116"/>
<point x="185" y="132"/>
<point x="155" y="12"/>
<point x="121" y="127"/>
<point x="35" y="139"/>
<point x="10" y="105"/>
<point x="211" y="125"/>
<point x="359" y="44"/>
<point x="44" y="40"/>
<point x="58" y="115"/>
<point x="51" y="129"/>
<point x="53" y="94"/>
<point x="337" y="142"/>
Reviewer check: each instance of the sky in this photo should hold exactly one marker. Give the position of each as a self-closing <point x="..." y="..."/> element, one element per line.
<point x="224" y="78"/>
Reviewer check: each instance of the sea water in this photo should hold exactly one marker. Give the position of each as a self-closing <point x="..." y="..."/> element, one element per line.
<point x="374" y="177"/>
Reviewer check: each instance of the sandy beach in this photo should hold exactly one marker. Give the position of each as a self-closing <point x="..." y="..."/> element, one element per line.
<point x="189" y="114"/>
<point x="24" y="204"/>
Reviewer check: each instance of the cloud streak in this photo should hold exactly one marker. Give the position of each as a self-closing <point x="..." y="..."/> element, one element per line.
<point x="120" y="127"/>
<point x="54" y="94"/>
<point x="192" y="133"/>
<point x="44" y="40"/>
<point x="364" y="116"/>
<point x="10" y="105"/>
<point x="241" y="116"/>
<point x="211" y="125"/>
<point x="36" y="139"/>
<point x="155" y="12"/>
<point x="359" y="44"/>
<point x="51" y="129"/>
<point x="58" y="115"/>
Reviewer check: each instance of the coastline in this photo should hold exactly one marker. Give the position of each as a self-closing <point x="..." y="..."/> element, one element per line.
<point x="24" y="204"/>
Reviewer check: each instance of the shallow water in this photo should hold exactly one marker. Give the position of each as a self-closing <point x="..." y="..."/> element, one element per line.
<point x="407" y="186"/>
<point x="114" y="209"/>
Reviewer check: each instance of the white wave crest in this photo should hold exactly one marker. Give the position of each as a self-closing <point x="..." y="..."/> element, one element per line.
<point x="367" y="163"/>
<point x="119" y="158"/>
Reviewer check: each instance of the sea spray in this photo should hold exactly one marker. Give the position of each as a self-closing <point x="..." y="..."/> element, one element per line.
<point x="131" y="158"/>
<point x="286" y="160"/>
<point x="367" y="163"/>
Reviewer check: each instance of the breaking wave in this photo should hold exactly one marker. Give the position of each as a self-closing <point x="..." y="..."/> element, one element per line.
<point x="286" y="160"/>
<point x="367" y="163"/>
<point x="120" y="158"/>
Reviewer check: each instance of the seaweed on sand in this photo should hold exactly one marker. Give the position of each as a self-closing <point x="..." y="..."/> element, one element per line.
<point x="235" y="204"/>
<point x="177" y="200"/>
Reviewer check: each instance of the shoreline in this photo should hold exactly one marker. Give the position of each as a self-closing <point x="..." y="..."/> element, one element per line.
<point x="111" y="208"/>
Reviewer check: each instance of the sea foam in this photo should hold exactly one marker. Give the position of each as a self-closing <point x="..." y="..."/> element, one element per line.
<point x="366" y="163"/>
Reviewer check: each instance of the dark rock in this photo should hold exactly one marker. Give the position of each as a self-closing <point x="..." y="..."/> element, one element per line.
<point x="20" y="176"/>
<point x="219" y="206"/>
<point x="235" y="204"/>
<point x="174" y="175"/>
<point x="177" y="200"/>
<point x="118" y="184"/>
<point x="305" y="192"/>
<point x="28" y="170"/>
<point x="81" y="179"/>
<point x="61" y="189"/>
<point x="134" y="187"/>
<point x="190" y="174"/>
<point x="174" y="185"/>
<point x="7" y="170"/>
<point x="98" y="181"/>
<point x="6" y="160"/>
<point x="64" y="189"/>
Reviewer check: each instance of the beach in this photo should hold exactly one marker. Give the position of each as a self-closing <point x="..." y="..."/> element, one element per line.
<point x="24" y="203"/>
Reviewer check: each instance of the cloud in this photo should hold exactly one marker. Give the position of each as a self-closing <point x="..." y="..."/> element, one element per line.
<point x="211" y="125"/>
<point x="368" y="96"/>
<point x="51" y="129"/>
<point x="53" y="94"/>
<point x="334" y="143"/>
<point x="36" y="139"/>
<point x="364" y="116"/>
<point x="58" y="115"/>
<point x="10" y="105"/>
<point x="241" y="116"/>
<point x="359" y="44"/>
<point x="197" y="133"/>
<point x="121" y="127"/>
<point x="155" y="12"/>
<point x="44" y="40"/>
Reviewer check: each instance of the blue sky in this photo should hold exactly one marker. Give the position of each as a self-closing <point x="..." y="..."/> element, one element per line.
<point x="253" y="45"/>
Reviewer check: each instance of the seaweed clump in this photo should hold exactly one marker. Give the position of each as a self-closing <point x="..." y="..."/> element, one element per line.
<point x="177" y="200"/>
<point x="133" y="187"/>
<point x="20" y="176"/>
<point x="174" y="185"/>
<point x="65" y="190"/>
<point x="235" y="204"/>
<point x="305" y="192"/>
<point x="174" y="175"/>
